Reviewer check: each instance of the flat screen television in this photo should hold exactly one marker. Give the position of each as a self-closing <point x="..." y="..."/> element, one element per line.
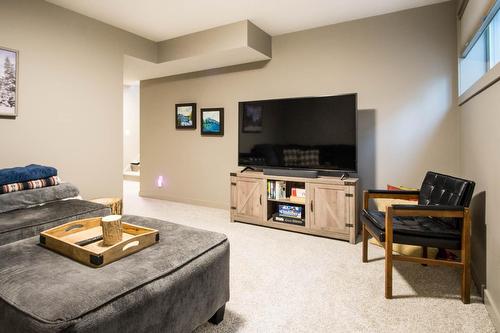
<point x="316" y="133"/>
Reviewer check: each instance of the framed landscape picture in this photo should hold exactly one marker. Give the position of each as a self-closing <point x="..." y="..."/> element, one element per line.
<point x="185" y="116"/>
<point x="212" y="121"/>
<point x="8" y="82"/>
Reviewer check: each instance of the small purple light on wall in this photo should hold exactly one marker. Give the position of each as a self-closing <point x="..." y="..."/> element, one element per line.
<point x="160" y="181"/>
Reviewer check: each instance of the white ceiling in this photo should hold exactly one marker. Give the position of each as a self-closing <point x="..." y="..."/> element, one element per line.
<point x="164" y="19"/>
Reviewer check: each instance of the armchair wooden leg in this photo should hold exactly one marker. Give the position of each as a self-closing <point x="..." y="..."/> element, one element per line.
<point x="425" y="254"/>
<point x="465" y="254"/>
<point x="388" y="270"/>
<point x="365" y="244"/>
<point x="388" y="253"/>
<point x="466" y="284"/>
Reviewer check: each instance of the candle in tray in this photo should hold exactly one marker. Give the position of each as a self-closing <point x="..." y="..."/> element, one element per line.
<point x="111" y="229"/>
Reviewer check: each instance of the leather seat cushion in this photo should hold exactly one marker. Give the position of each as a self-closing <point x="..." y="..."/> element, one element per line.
<point x="398" y="238"/>
<point x="416" y="226"/>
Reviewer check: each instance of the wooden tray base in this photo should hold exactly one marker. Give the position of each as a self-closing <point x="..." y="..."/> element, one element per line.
<point x="63" y="239"/>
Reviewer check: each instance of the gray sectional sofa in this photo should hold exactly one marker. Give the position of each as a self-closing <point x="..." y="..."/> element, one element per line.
<point x="173" y="286"/>
<point x="25" y="214"/>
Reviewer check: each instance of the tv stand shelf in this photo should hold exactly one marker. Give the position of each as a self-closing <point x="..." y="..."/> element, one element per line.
<point x="287" y="200"/>
<point x="330" y="204"/>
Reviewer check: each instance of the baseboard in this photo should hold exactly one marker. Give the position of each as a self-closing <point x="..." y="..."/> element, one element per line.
<point x="477" y="281"/>
<point x="187" y="201"/>
<point x="492" y="310"/>
<point x="131" y="178"/>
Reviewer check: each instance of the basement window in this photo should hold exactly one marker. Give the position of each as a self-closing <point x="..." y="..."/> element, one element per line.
<point x="483" y="55"/>
<point x="494" y="40"/>
<point x="474" y="65"/>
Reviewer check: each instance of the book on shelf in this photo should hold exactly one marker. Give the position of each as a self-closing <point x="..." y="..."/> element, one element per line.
<point x="298" y="192"/>
<point x="270" y="189"/>
<point x="280" y="189"/>
<point x="288" y="220"/>
<point x="276" y="189"/>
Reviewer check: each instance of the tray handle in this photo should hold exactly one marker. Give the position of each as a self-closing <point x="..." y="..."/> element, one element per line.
<point x="130" y="245"/>
<point x="74" y="226"/>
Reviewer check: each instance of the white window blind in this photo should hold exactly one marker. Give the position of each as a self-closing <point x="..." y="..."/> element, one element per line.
<point x="471" y="20"/>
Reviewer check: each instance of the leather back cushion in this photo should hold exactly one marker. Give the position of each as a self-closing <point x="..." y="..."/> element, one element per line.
<point x="439" y="189"/>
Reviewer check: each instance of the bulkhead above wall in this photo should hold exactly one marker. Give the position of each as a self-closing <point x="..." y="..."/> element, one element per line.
<point x="232" y="44"/>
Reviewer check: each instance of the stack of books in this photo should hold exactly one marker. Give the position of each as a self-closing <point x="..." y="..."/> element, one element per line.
<point x="276" y="189"/>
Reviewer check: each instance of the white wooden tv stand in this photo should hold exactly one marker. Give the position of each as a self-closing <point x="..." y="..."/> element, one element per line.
<point x="330" y="204"/>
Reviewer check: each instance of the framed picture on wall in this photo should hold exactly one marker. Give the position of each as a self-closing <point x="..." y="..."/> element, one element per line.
<point x="185" y="116"/>
<point x="252" y="119"/>
<point x="8" y="82"/>
<point x="212" y="121"/>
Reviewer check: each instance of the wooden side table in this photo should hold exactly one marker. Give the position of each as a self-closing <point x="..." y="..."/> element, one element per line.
<point x="115" y="204"/>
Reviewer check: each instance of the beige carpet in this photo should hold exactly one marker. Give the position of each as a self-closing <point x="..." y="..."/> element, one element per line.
<point x="289" y="282"/>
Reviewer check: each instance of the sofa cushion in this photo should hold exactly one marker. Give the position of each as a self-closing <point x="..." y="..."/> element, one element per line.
<point x="28" y="222"/>
<point x="33" y="197"/>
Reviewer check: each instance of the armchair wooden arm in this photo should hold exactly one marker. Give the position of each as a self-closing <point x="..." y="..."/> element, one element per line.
<point x="432" y="211"/>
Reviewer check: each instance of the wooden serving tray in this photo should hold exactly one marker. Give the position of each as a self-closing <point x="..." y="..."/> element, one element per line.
<point x="64" y="238"/>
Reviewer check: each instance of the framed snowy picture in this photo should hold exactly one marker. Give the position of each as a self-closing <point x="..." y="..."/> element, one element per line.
<point x="8" y="82"/>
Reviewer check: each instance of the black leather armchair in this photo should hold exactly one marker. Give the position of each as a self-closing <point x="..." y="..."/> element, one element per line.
<point x="440" y="219"/>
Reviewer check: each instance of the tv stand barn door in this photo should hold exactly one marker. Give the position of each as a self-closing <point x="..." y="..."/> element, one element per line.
<point x="250" y="199"/>
<point x="330" y="206"/>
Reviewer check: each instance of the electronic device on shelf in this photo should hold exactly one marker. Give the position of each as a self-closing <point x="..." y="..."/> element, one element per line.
<point x="290" y="211"/>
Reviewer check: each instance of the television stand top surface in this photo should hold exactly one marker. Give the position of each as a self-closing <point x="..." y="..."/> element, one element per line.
<point x="332" y="180"/>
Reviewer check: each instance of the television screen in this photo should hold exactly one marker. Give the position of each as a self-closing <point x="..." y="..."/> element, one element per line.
<point x="299" y="133"/>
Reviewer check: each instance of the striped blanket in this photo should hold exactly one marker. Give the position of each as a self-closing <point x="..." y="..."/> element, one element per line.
<point x="23" y="174"/>
<point x="30" y="184"/>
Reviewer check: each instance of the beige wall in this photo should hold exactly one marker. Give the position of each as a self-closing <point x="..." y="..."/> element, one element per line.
<point x="70" y="93"/>
<point x="480" y="160"/>
<point x="403" y="66"/>
<point x="225" y="37"/>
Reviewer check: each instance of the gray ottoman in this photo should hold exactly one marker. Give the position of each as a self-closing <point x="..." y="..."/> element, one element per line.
<point x="172" y="286"/>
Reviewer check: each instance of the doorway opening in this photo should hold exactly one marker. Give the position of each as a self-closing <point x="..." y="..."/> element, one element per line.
<point x="131" y="132"/>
